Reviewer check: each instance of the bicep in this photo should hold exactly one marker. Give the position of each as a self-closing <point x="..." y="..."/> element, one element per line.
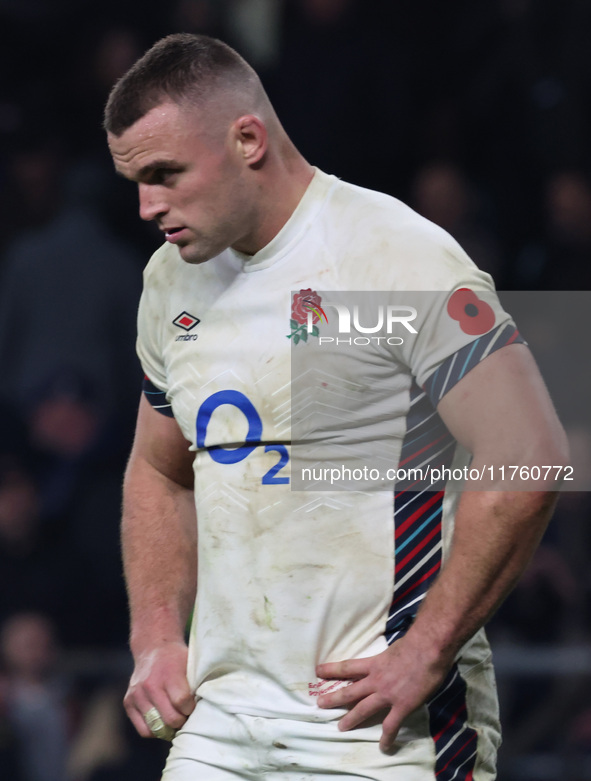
<point x="159" y="443"/>
<point x="502" y="408"/>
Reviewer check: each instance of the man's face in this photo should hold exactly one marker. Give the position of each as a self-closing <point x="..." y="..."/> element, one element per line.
<point x="192" y="182"/>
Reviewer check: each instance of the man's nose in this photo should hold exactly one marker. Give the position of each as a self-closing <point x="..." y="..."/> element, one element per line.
<point x="152" y="203"/>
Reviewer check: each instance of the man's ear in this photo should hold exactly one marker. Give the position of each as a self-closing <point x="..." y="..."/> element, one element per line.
<point x="251" y="137"/>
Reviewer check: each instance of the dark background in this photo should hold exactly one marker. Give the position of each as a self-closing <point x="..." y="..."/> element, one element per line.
<point x="477" y="113"/>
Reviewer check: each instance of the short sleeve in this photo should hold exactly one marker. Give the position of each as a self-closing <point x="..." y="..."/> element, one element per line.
<point x="149" y="339"/>
<point x="455" y="331"/>
<point x="458" y="318"/>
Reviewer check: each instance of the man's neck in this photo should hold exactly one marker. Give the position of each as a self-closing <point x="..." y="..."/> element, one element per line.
<point x="285" y="183"/>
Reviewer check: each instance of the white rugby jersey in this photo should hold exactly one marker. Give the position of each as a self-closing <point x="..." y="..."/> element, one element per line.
<point x="286" y="578"/>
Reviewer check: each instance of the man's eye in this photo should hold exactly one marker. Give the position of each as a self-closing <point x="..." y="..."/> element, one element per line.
<point x="164" y="175"/>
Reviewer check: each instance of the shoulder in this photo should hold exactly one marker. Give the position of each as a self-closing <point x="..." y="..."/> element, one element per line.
<point x="381" y="242"/>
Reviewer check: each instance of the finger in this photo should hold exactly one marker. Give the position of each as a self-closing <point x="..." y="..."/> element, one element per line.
<point x="390" y="729"/>
<point x="157" y="691"/>
<point x="135" y="701"/>
<point x="169" y="714"/>
<point x="362" y="711"/>
<point x="346" y="695"/>
<point x="136" y="704"/>
<point x="182" y="697"/>
<point x="350" y="668"/>
<point x="138" y="722"/>
<point x="142" y="698"/>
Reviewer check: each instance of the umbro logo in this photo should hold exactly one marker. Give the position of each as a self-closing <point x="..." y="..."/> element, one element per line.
<point x="186" y="321"/>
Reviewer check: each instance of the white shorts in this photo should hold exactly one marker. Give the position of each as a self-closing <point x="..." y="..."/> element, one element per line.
<point x="218" y="746"/>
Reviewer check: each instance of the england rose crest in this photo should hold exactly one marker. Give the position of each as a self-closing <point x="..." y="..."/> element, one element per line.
<point x="306" y="311"/>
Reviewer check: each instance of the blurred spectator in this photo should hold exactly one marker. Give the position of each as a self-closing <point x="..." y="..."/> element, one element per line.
<point x="31" y="193"/>
<point x="36" y="699"/>
<point x="59" y="546"/>
<point x="64" y="419"/>
<point x="441" y="193"/>
<point x="77" y="462"/>
<point x="66" y="426"/>
<point x="562" y="259"/>
<point x="104" y="52"/>
<point x="68" y="297"/>
<point x="59" y="514"/>
<point x="36" y="570"/>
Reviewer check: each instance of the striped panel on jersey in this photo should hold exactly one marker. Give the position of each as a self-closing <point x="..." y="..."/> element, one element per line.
<point x="418" y="544"/>
<point x="418" y="557"/>
<point x="455" y="741"/>
<point x="417" y="512"/>
<point x="157" y="398"/>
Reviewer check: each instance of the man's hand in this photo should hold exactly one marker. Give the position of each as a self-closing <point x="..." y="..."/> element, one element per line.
<point x="160" y="681"/>
<point x="400" y="680"/>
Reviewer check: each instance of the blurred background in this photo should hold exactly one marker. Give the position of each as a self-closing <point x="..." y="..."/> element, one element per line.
<point x="476" y="112"/>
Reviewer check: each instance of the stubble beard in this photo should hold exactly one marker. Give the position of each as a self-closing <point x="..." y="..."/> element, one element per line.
<point x="192" y="256"/>
<point x="200" y="251"/>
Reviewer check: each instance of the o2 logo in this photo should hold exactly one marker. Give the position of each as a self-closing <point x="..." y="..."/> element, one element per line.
<point x="255" y="430"/>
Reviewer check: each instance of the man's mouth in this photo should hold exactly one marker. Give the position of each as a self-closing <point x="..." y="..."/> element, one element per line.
<point x="173" y="234"/>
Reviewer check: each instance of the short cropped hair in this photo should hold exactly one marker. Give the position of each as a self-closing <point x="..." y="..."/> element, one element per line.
<point x="178" y="67"/>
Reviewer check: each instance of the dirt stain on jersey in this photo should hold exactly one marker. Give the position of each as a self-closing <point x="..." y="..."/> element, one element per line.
<point x="266" y="616"/>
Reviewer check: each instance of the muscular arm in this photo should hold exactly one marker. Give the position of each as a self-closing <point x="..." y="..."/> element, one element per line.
<point x="159" y="538"/>
<point x="502" y="414"/>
